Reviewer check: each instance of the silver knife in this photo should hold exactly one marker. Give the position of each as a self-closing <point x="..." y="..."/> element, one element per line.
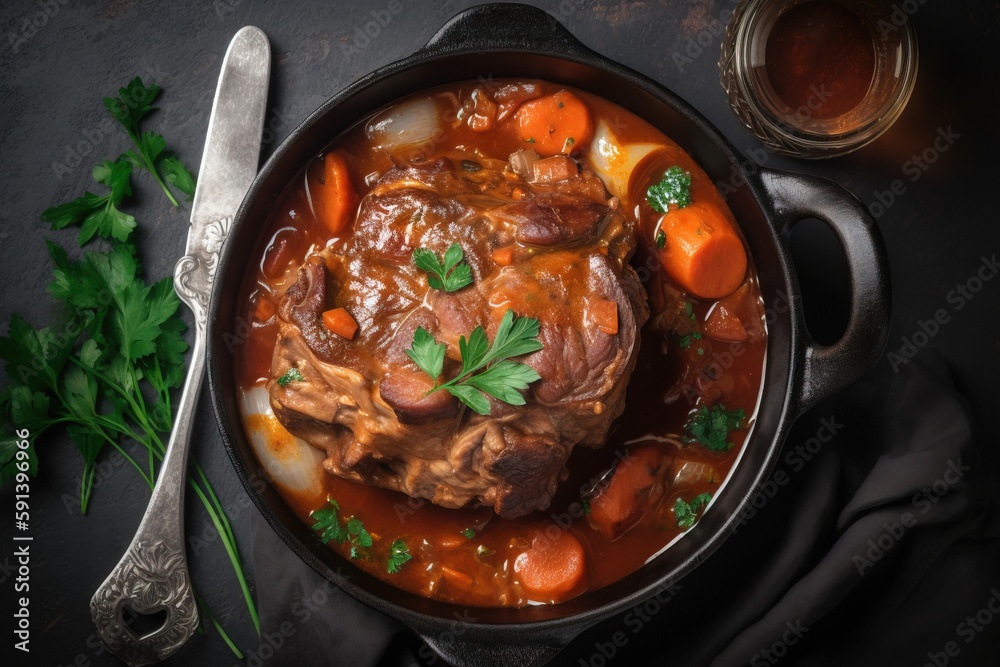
<point x="152" y="576"/>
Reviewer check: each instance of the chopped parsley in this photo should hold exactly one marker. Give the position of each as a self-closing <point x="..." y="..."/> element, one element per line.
<point x="687" y="512"/>
<point x="661" y="239"/>
<point x="399" y="554"/>
<point x="685" y="341"/>
<point x="585" y="506"/>
<point x="452" y="275"/>
<point x="674" y="188"/>
<point x="292" y="375"/>
<point x="711" y="427"/>
<point x="330" y="528"/>
<point x="469" y="533"/>
<point x="486" y="369"/>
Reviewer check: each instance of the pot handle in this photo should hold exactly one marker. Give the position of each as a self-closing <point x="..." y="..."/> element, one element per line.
<point x="826" y="369"/>
<point x="481" y="650"/>
<point x="507" y="27"/>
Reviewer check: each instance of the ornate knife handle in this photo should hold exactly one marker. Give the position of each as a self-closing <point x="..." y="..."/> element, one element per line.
<point x="152" y="576"/>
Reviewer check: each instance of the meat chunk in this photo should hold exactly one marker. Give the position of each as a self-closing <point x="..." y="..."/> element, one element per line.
<point x="366" y="404"/>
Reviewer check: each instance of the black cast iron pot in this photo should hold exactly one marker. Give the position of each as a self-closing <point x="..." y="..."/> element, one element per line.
<point x="503" y="40"/>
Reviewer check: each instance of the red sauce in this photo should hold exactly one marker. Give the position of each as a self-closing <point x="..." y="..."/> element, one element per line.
<point x="468" y="556"/>
<point x="820" y="59"/>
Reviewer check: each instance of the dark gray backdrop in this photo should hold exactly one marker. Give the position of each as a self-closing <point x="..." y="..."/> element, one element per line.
<point x="59" y="58"/>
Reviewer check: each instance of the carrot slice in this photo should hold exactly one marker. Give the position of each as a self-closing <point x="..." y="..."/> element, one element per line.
<point x="456" y="578"/>
<point x="558" y="123"/>
<point x="553" y="565"/>
<point x="702" y="252"/>
<point x="635" y="486"/>
<point x="340" y="322"/>
<point x="334" y="197"/>
<point x="606" y="316"/>
<point x="504" y="256"/>
<point x="264" y="310"/>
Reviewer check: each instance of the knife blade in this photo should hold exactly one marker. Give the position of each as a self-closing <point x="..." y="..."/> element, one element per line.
<point x="232" y="150"/>
<point x="153" y="576"/>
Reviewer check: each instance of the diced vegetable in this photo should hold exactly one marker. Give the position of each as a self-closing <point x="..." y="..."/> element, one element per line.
<point x="504" y="256"/>
<point x="605" y="315"/>
<point x="558" y="123"/>
<point x="334" y="199"/>
<point x="522" y="162"/>
<point x="703" y="252"/>
<point x="280" y="254"/>
<point x="686" y="473"/>
<point x="553" y="565"/>
<point x="405" y="125"/>
<point x="725" y="325"/>
<point x="636" y="485"/>
<point x="264" y="309"/>
<point x="554" y="169"/>
<point x="616" y="162"/>
<point x="340" y="322"/>
<point x="456" y="578"/>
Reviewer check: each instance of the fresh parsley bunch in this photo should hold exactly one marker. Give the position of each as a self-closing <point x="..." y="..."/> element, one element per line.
<point x="106" y="370"/>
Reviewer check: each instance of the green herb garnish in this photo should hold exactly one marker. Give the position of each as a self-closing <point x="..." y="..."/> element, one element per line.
<point x="452" y="275"/>
<point x="674" y="188"/>
<point x="98" y="215"/>
<point x="710" y="427"/>
<point x="661" y="239"/>
<point x="291" y="375"/>
<point x="685" y="341"/>
<point x="399" y="554"/>
<point x="135" y="102"/>
<point x="585" y="506"/>
<point x="502" y="379"/>
<point x="686" y="512"/>
<point x="329" y="525"/>
<point x="469" y="533"/>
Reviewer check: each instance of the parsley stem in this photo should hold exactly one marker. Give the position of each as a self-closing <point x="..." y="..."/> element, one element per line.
<point x="152" y="169"/>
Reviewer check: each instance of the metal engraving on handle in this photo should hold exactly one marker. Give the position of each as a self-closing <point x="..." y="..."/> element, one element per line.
<point x="152" y="576"/>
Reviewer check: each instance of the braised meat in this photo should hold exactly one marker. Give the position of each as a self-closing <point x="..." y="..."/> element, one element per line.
<point x="365" y="403"/>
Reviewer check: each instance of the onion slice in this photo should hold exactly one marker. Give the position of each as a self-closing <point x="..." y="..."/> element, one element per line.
<point x="614" y="161"/>
<point x="286" y="460"/>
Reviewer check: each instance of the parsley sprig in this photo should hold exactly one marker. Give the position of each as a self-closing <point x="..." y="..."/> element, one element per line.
<point x="451" y="275"/>
<point x="486" y="369"/>
<point x="674" y="188"/>
<point x="100" y="215"/>
<point x="133" y="103"/>
<point x="711" y="427"/>
<point x="687" y="512"/>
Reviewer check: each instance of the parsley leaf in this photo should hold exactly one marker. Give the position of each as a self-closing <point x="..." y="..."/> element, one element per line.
<point x="133" y="103"/>
<point x="661" y="239"/>
<point x="361" y="540"/>
<point x="452" y="275"/>
<point x="673" y="188"/>
<point x="291" y="375"/>
<point x="328" y="523"/>
<point x="469" y="533"/>
<point x="399" y="554"/>
<point x="687" y="512"/>
<point x="427" y="353"/>
<point x="685" y="341"/>
<point x="98" y="215"/>
<point x="710" y="427"/>
<point x="503" y="380"/>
